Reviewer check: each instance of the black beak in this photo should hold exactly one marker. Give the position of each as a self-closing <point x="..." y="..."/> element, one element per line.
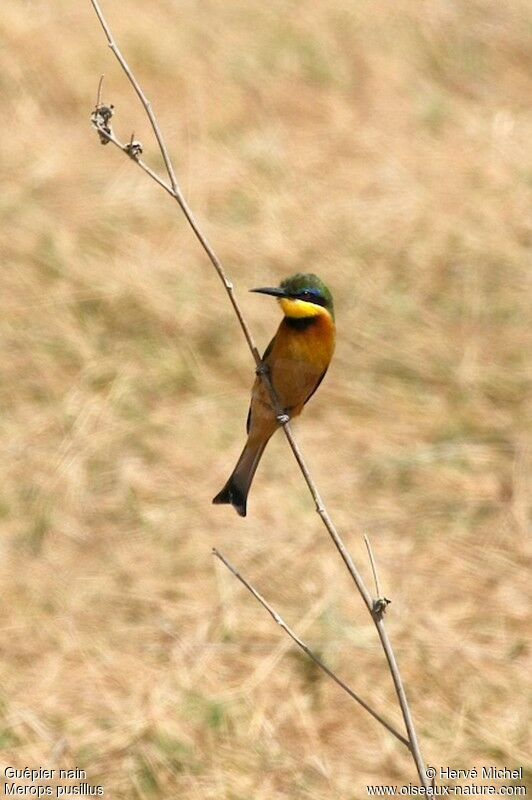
<point x="275" y="291"/>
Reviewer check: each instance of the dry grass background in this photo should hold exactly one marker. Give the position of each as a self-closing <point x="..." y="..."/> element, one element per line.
<point x="386" y="147"/>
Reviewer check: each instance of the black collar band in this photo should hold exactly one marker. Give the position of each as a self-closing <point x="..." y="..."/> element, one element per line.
<point x="300" y="323"/>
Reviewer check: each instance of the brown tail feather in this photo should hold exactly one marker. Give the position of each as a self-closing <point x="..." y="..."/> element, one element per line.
<point x="237" y="487"/>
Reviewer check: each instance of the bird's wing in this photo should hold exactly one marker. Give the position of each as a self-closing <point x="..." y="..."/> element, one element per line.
<point x="317" y="384"/>
<point x="269" y="349"/>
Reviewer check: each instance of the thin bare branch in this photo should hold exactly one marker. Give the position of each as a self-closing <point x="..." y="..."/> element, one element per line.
<point x="283" y="419"/>
<point x="99" y="94"/>
<point x="300" y="643"/>
<point x="373" y="566"/>
<point x="381" y="603"/>
<point x="142" y="97"/>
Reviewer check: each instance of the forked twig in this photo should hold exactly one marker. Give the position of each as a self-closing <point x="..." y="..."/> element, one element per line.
<point x="300" y="643"/>
<point x="173" y="189"/>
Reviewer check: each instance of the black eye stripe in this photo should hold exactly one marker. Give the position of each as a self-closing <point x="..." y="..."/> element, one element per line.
<point x="311" y="295"/>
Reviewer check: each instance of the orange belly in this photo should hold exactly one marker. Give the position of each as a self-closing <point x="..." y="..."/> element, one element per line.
<point x="297" y="360"/>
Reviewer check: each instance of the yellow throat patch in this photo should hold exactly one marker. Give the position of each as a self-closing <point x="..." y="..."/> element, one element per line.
<point x="300" y="308"/>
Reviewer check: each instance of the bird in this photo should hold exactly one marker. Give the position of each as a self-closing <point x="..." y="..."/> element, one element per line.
<point x="296" y="360"/>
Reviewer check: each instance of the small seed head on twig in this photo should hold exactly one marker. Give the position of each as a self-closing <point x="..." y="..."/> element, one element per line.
<point x="105" y="112"/>
<point x="101" y="115"/>
<point x="133" y="148"/>
<point x="100" y="119"/>
<point x="380" y="605"/>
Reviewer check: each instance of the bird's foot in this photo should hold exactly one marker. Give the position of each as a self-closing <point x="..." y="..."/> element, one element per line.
<point x="262" y="369"/>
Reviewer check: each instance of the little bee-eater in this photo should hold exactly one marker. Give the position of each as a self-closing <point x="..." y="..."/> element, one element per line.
<point x="297" y="358"/>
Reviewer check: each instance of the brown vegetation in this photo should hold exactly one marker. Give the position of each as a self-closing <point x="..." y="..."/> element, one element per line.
<point x="387" y="148"/>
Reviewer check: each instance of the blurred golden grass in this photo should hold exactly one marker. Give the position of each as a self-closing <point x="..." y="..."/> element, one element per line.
<point x="386" y="147"/>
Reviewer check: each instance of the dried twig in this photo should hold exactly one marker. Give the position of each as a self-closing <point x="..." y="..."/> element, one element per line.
<point x="173" y="189"/>
<point x="300" y="643"/>
<point x="99" y="95"/>
<point x="380" y="603"/>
